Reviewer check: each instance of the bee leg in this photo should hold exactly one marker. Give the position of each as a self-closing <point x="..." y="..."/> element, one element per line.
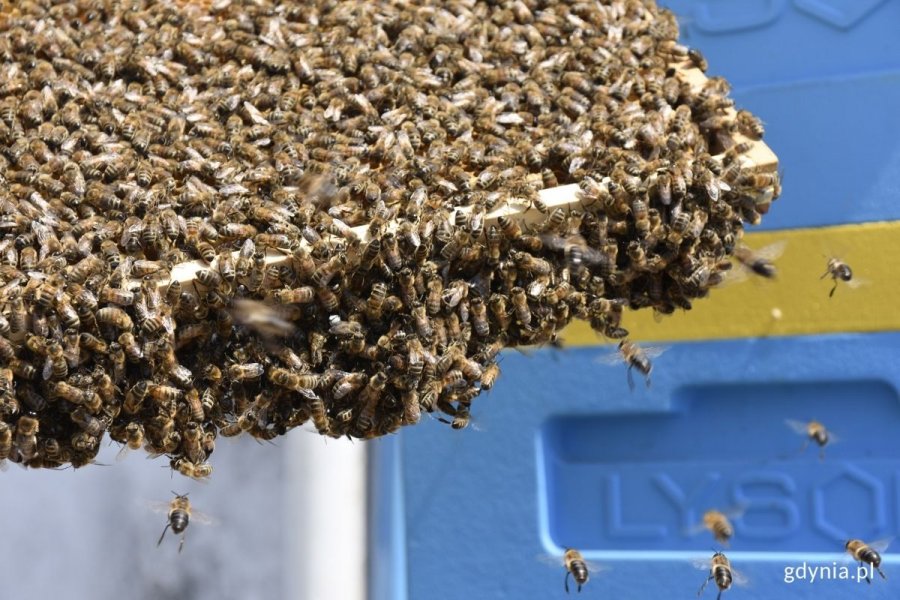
<point x="703" y="587"/>
<point x="567" y="581"/>
<point x="880" y="572"/>
<point x="831" y="293"/>
<point x="166" y="528"/>
<point x="868" y="579"/>
<point x="719" y="597"/>
<point x="630" y="380"/>
<point x="181" y="545"/>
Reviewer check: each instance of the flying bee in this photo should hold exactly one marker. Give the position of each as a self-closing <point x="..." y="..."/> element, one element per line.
<point x="840" y="271"/>
<point x="576" y="567"/>
<point x="718" y="523"/>
<point x="180" y="514"/>
<point x="720" y="571"/>
<point x="635" y="357"/>
<point x="760" y="262"/>
<point x="814" y="431"/>
<point x="868" y="553"/>
<point x="266" y="320"/>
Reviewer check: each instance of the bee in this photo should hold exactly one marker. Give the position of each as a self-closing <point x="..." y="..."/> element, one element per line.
<point x="368" y="399"/>
<point x="422" y="323"/>
<point x="576" y="567"/>
<point x="6" y="438"/>
<point x="839" y="271"/>
<point x="529" y="264"/>
<point x="91" y="425"/>
<point x="718" y="523"/>
<point x="245" y="372"/>
<point x="697" y="59"/>
<point x="814" y="431"/>
<point x="520" y="306"/>
<point x="70" y="393"/>
<point x="27" y="428"/>
<point x="180" y="512"/>
<point x="134" y="439"/>
<point x="266" y="320"/>
<point x="749" y="125"/>
<point x="115" y="317"/>
<point x="720" y="571"/>
<point x="760" y="262"/>
<point x="55" y="366"/>
<point x="635" y="357"/>
<point x="868" y="553"/>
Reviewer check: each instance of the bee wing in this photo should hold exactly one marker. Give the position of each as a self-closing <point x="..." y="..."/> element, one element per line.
<point x="654" y="351"/>
<point x="881" y="545"/>
<point x="551" y="560"/>
<point x="798" y="427"/>
<point x="701" y="564"/>
<point x="554" y="242"/>
<point x="857" y="282"/>
<point x="203" y="518"/>
<point x="772" y="251"/>
<point x="611" y="358"/>
<point x="158" y="506"/>
<point x="695" y="529"/>
<point x="739" y="578"/>
<point x="123" y="452"/>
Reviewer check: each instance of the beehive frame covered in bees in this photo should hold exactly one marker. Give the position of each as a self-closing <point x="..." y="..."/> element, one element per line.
<point x="241" y="216"/>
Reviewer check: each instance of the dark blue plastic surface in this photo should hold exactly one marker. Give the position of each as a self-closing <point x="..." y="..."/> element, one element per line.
<point x="568" y="455"/>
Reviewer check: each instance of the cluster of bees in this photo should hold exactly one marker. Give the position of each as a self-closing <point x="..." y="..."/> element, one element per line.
<point x="136" y="136"/>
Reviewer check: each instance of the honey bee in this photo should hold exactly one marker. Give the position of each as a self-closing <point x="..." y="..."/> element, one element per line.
<point x="189" y="469"/>
<point x="839" y="271"/>
<point x="749" y="125"/>
<point x="868" y="553"/>
<point x="179" y="515"/>
<point x="55" y="366"/>
<point x="760" y="262"/>
<point x="26" y="436"/>
<point x="635" y="357"/>
<point x="520" y="306"/>
<point x="263" y="319"/>
<point x="718" y="523"/>
<point x="6" y="438"/>
<point x="814" y="431"/>
<point x="720" y="571"/>
<point x="245" y="372"/>
<point x="115" y="317"/>
<point x="134" y="439"/>
<point x="576" y="567"/>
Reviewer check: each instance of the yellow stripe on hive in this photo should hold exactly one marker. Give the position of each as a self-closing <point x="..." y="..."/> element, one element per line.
<point x="797" y="302"/>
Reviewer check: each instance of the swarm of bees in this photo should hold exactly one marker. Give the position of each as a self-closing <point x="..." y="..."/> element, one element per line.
<point x="137" y="136"/>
